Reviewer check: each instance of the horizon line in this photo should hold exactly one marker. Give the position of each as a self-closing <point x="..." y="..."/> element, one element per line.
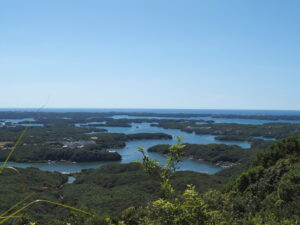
<point x="133" y="108"/>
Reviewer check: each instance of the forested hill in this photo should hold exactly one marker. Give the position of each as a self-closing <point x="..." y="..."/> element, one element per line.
<point x="267" y="193"/>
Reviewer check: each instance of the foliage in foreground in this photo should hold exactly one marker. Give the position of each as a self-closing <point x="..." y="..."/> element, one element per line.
<point x="267" y="193"/>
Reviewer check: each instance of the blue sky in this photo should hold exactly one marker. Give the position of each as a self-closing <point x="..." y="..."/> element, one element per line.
<point x="211" y="54"/>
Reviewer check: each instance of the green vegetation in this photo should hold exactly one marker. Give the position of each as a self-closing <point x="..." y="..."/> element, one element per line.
<point x="259" y="117"/>
<point x="47" y="143"/>
<point x="51" y="119"/>
<point x="144" y="136"/>
<point x="164" y="173"/>
<point x="271" y="187"/>
<point x="106" y="191"/>
<point x="220" y="154"/>
<point x="270" y="130"/>
<point x="267" y="193"/>
<point x="111" y="189"/>
<point x="41" y="153"/>
<point x="261" y="188"/>
<point x="214" y="153"/>
<point x="32" y="184"/>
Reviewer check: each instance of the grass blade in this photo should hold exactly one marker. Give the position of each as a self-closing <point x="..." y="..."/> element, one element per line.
<point x="15" y="205"/>
<point x="46" y="201"/>
<point x="13" y="149"/>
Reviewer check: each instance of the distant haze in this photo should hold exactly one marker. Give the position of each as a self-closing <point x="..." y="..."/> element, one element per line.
<point x="150" y="54"/>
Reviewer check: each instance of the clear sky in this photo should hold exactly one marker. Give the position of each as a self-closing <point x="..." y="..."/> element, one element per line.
<point x="196" y="54"/>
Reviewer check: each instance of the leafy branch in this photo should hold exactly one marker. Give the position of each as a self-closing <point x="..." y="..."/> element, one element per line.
<point x="164" y="173"/>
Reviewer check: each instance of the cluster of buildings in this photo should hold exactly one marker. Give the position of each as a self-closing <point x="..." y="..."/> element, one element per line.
<point x="6" y="124"/>
<point x="77" y="144"/>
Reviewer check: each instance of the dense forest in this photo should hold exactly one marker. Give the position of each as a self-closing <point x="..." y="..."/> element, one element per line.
<point x="214" y="153"/>
<point x="67" y="143"/>
<point x="267" y="192"/>
<point x="257" y="185"/>
<point x="234" y="131"/>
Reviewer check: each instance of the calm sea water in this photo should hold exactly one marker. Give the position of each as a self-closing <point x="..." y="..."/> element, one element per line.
<point x="216" y="120"/>
<point x="190" y="138"/>
<point x="130" y="153"/>
<point x="175" y="111"/>
<point x="18" y="121"/>
<point x="195" y="111"/>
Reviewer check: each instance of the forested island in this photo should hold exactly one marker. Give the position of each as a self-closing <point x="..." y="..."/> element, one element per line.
<point x="46" y="143"/>
<point x="67" y="144"/>
<point x="258" y="184"/>
<point x="233" y="130"/>
<point x="220" y="154"/>
<point x="70" y="118"/>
